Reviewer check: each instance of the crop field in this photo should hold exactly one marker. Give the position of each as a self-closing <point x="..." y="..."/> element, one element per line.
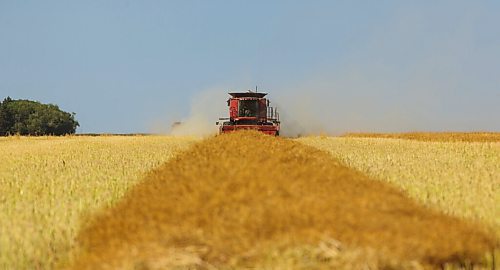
<point x="48" y="184"/>
<point x="457" y="177"/>
<point x="434" y="136"/>
<point x="247" y="200"/>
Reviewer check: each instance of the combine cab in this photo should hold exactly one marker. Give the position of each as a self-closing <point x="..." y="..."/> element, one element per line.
<point x="250" y="110"/>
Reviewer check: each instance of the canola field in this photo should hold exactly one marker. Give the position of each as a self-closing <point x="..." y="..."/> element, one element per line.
<point x="247" y="200"/>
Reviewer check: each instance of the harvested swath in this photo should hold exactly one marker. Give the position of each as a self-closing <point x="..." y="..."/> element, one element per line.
<point x="435" y="136"/>
<point x="233" y="197"/>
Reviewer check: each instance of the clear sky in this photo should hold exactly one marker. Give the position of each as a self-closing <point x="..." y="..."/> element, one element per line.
<point x="136" y="66"/>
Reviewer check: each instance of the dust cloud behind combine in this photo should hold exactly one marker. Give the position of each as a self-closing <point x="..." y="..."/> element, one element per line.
<point x="206" y="108"/>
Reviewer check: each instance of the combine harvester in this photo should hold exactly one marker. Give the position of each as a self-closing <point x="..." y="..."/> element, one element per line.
<point x="250" y="110"/>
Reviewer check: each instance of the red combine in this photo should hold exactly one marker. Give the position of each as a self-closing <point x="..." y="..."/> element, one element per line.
<point x="250" y="110"/>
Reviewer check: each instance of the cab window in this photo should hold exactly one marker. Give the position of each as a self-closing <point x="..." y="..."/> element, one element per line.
<point x="248" y="108"/>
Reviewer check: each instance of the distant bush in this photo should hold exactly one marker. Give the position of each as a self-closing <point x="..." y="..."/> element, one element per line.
<point x="25" y="117"/>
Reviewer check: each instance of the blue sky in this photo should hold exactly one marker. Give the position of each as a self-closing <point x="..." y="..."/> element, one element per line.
<point x="333" y="66"/>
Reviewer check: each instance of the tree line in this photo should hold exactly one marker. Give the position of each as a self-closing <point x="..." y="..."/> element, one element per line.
<point x="26" y="117"/>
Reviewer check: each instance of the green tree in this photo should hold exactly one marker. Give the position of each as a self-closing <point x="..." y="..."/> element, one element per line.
<point x="27" y="117"/>
<point x="6" y="117"/>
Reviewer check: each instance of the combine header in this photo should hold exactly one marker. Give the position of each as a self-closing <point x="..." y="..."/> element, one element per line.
<point x="250" y="110"/>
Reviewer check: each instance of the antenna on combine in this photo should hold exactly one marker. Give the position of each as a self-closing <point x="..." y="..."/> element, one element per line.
<point x="256" y="89"/>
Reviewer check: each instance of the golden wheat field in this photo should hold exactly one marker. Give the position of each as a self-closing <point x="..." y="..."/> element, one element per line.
<point x="457" y="177"/>
<point x="48" y="184"/>
<point x="434" y="136"/>
<point x="247" y="200"/>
